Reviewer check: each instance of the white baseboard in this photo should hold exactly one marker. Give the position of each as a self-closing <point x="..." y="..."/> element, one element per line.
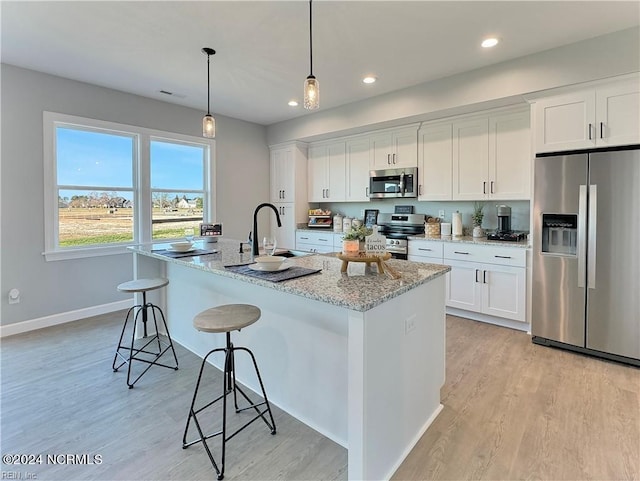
<point x="62" y="318"/>
<point x="498" y="321"/>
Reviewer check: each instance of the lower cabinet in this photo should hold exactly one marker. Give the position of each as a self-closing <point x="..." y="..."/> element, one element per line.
<point x="487" y="288"/>
<point x="484" y="279"/>
<point x="320" y="242"/>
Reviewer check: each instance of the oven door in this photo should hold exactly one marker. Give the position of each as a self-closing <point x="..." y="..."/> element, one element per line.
<point x="392" y="183"/>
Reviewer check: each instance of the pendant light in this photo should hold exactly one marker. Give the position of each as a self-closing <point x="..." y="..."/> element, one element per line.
<point x="208" y="122"/>
<point x="311" y="86"/>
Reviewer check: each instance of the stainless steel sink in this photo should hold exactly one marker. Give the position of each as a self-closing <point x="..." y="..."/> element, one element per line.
<point x="293" y="253"/>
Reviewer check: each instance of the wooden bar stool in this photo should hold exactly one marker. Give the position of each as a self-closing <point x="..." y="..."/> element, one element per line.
<point x="147" y="352"/>
<point x="227" y="318"/>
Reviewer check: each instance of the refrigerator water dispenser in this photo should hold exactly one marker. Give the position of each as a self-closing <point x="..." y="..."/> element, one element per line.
<point x="560" y="234"/>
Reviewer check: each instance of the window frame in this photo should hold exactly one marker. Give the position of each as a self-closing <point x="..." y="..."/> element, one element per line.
<point x="142" y="228"/>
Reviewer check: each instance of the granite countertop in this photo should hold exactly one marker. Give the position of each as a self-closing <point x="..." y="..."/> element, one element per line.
<point x="360" y="289"/>
<point x="524" y="244"/>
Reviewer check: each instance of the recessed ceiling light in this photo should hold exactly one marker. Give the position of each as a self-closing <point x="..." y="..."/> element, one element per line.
<point x="292" y="103"/>
<point x="369" y="79"/>
<point x="489" y="42"/>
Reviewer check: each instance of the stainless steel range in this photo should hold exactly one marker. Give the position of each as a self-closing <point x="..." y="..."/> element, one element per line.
<point x="397" y="227"/>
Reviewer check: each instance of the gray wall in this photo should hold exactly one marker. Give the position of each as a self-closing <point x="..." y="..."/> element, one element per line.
<point x="49" y="288"/>
<point x="495" y="86"/>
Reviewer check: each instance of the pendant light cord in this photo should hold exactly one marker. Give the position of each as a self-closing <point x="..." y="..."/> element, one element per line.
<point x="310" y="39"/>
<point x="208" y="86"/>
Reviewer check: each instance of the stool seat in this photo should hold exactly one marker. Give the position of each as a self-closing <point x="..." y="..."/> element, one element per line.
<point x="143" y="285"/>
<point x="226" y="318"/>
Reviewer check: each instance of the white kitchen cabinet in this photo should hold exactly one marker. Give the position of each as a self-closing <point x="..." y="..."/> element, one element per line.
<point x="288" y="172"/>
<point x="327" y="172"/>
<point x="288" y="190"/>
<point x="492" y="157"/>
<point x="487" y="279"/>
<point x="394" y="148"/>
<point x="319" y="242"/>
<point x="602" y="116"/>
<point x="470" y="158"/>
<point x="425" y="251"/>
<point x="357" y="169"/>
<point x="435" y="161"/>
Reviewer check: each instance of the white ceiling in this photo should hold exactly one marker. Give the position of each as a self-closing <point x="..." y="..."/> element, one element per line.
<point x="143" y="47"/>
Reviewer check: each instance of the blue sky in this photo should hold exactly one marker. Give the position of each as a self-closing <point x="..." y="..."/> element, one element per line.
<point x="87" y="158"/>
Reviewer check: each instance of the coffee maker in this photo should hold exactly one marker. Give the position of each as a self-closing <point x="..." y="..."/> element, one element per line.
<point x="504" y="232"/>
<point x="504" y="218"/>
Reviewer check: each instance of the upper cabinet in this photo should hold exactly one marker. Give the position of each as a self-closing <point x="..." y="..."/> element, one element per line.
<point x="394" y="148"/>
<point x="602" y="116"/>
<point x="288" y="173"/>
<point x="327" y="172"/>
<point x="435" y="161"/>
<point x="357" y="169"/>
<point x="476" y="157"/>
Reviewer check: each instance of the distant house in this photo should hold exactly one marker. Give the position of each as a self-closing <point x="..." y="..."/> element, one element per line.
<point x="185" y="203"/>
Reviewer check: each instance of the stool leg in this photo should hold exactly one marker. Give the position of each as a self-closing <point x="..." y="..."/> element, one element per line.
<point x="193" y="414"/>
<point x="271" y="425"/>
<point x="166" y="329"/>
<point x="124" y="327"/>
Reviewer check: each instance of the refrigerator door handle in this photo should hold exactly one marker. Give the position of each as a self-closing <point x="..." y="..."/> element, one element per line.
<point x="582" y="236"/>
<point x="591" y="258"/>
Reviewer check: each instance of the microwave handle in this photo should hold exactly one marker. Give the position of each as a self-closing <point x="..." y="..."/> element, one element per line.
<point x="402" y="183"/>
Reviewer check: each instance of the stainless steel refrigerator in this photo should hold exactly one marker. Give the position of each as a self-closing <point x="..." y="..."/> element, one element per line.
<point x="586" y="253"/>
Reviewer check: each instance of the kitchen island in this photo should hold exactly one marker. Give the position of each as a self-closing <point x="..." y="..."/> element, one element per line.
<point x="358" y="356"/>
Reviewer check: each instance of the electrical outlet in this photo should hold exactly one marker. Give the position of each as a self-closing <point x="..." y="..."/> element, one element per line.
<point x="441" y="213"/>
<point x="14" y="296"/>
<point x="409" y="324"/>
<point x="362" y="213"/>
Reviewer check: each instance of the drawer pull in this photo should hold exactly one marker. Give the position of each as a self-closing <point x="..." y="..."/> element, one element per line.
<point x="423" y="249"/>
<point x="457" y="252"/>
<point x="323" y="240"/>
<point x="503" y="257"/>
<point x="304" y="238"/>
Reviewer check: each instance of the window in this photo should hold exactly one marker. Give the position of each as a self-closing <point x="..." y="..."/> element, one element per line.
<point x="109" y="185"/>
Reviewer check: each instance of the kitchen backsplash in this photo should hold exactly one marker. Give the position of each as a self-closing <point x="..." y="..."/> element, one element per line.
<point x="520" y="210"/>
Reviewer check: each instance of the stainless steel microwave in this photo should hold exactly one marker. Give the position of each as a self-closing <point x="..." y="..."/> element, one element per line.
<point x="393" y="183"/>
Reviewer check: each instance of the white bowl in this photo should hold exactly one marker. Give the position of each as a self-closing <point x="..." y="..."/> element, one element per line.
<point x="181" y="246"/>
<point x="270" y="263"/>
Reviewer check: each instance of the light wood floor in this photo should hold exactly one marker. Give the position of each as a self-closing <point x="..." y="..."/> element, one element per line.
<point x="512" y="410"/>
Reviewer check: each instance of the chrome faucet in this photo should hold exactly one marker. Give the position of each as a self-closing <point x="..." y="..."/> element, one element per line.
<point x="255" y="250"/>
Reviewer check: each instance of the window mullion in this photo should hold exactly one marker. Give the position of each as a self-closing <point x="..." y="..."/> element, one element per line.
<point x="143" y="185"/>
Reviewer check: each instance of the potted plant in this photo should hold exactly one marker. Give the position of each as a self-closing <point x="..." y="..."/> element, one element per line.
<point x="353" y="239"/>
<point x="477" y="217"/>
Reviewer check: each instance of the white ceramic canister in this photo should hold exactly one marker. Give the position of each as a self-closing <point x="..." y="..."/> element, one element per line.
<point x="445" y="228"/>
<point x="346" y="224"/>
<point x="337" y="223"/>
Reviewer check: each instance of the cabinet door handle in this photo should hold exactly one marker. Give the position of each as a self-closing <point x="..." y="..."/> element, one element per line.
<point x="503" y="257"/>
<point x="323" y="193"/>
<point x="589" y="131"/>
<point x="283" y="196"/>
<point x="602" y="130"/>
<point x="394" y="158"/>
<point x="327" y="193"/>
<point x="465" y="253"/>
<point x="419" y="189"/>
<point x="366" y="191"/>
<point x="484" y="187"/>
<point x="388" y="159"/>
<point x="477" y="270"/>
<point x="484" y="277"/>
<point x="492" y="187"/>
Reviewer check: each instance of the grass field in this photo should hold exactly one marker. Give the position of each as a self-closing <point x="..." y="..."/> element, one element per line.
<point x="80" y="226"/>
